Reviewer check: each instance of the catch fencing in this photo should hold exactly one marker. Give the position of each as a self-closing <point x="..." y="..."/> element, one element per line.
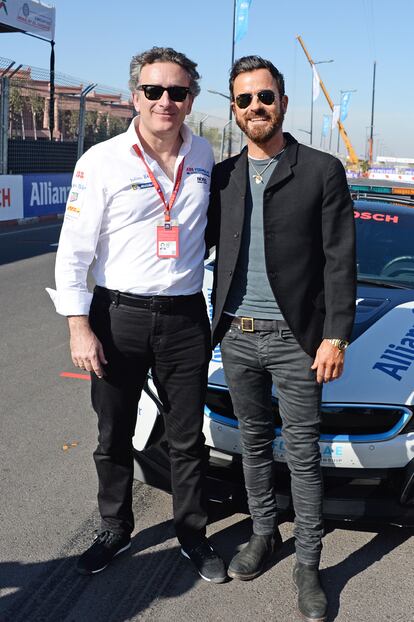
<point x="37" y="136"/>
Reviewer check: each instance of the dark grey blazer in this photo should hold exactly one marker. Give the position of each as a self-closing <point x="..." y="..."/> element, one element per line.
<point x="309" y="239"/>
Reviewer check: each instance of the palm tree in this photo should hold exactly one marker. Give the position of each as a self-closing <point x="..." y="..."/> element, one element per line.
<point x="37" y="103"/>
<point x="17" y="105"/>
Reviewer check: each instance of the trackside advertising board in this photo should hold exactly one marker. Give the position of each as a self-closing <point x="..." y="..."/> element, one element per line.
<point x="45" y="193"/>
<point x="11" y="197"/>
<point x="28" y="196"/>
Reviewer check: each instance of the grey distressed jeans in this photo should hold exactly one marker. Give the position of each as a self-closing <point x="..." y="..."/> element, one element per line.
<point x="252" y="362"/>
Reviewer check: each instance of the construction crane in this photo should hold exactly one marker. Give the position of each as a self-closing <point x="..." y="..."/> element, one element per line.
<point x="351" y="151"/>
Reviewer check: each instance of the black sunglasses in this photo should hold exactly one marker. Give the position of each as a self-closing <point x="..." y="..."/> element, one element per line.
<point x="244" y="100"/>
<point x="155" y="91"/>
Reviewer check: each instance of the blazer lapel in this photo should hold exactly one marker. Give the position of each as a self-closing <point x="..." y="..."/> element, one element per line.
<point x="237" y="185"/>
<point x="283" y="170"/>
<point x="238" y="176"/>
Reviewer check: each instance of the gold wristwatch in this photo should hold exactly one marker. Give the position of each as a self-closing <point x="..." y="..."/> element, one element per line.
<point x="341" y="344"/>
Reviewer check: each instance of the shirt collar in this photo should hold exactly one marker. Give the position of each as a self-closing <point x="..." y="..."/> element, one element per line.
<point x="133" y="138"/>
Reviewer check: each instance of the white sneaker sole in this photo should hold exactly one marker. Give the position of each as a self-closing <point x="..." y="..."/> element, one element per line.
<point x="218" y="580"/>
<point x="125" y="548"/>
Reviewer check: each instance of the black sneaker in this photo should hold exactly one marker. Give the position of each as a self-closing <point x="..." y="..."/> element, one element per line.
<point x="208" y="563"/>
<point x="105" y="547"/>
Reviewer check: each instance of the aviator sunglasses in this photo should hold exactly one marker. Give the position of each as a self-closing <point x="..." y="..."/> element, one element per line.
<point x="155" y="92"/>
<point x="244" y="100"/>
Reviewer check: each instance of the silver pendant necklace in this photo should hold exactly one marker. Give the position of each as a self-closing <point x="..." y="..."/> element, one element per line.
<point x="258" y="177"/>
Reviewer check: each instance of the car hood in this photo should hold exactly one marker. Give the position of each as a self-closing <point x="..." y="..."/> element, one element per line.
<point x="376" y="369"/>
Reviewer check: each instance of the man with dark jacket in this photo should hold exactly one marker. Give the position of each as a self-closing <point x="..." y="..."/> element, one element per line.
<point x="284" y="297"/>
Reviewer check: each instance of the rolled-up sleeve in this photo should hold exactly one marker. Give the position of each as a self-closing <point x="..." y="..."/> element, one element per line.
<point x="79" y="237"/>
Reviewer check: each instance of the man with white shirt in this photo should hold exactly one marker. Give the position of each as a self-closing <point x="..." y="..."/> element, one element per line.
<point x="138" y="209"/>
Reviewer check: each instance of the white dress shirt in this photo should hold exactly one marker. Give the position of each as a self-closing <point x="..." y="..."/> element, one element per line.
<point x="111" y="217"/>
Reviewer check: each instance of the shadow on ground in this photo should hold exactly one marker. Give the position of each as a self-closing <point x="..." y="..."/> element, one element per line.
<point x="53" y="591"/>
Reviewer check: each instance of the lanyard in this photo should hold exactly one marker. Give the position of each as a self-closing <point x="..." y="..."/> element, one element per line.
<point x="157" y="186"/>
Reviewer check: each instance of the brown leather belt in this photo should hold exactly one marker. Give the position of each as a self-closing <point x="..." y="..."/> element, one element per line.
<point x="251" y="325"/>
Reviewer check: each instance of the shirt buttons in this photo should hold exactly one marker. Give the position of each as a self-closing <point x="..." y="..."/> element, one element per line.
<point x="236" y="235"/>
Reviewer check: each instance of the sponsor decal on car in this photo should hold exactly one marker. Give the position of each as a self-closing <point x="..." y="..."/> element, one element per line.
<point x="377" y="217"/>
<point x="331" y="454"/>
<point x="397" y="359"/>
<point x="216" y="357"/>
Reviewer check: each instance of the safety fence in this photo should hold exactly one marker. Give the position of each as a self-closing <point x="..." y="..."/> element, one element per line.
<point x="44" y="134"/>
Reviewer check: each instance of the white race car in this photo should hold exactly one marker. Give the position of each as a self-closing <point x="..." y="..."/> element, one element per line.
<point x="367" y="430"/>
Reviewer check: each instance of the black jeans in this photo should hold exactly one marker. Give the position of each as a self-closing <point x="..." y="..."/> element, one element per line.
<point x="252" y="361"/>
<point x="175" y="344"/>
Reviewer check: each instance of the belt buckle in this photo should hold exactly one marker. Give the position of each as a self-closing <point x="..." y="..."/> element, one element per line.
<point x="161" y="304"/>
<point x="247" y="324"/>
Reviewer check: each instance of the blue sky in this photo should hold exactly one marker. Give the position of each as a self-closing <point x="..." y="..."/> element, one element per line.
<point x="95" y="40"/>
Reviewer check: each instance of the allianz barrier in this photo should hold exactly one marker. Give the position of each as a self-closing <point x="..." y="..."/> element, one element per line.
<point x="34" y="195"/>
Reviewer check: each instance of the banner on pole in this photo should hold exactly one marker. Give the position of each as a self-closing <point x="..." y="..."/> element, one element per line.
<point x="325" y="124"/>
<point x="28" y="16"/>
<point x="242" y="19"/>
<point x="316" y="87"/>
<point x="335" y="115"/>
<point x="346" y="96"/>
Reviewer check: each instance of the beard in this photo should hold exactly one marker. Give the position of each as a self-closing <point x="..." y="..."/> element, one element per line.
<point x="261" y="135"/>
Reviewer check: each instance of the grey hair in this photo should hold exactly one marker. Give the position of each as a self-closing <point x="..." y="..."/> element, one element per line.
<point x="163" y="55"/>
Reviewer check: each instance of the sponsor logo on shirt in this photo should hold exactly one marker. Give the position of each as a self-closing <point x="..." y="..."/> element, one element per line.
<point x="142" y="185"/>
<point x="80" y="174"/>
<point x="78" y="186"/>
<point x="73" y="209"/>
<point x="201" y="179"/>
<point x="73" y="196"/>
<point x="197" y="170"/>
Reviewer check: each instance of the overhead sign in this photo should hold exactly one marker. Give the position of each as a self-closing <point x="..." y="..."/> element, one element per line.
<point x="28" y="16"/>
<point x="11" y="197"/>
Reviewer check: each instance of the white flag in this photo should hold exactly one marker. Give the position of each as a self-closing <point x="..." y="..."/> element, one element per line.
<point x="335" y="115"/>
<point x="316" y="88"/>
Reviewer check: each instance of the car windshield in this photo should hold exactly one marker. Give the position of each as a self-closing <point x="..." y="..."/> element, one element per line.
<point x="385" y="243"/>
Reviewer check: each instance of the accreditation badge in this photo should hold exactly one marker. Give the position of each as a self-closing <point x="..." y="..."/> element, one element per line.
<point x="168" y="241"/>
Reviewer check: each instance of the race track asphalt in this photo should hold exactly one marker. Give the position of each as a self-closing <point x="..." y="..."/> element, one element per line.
<point x="48" y="505"/>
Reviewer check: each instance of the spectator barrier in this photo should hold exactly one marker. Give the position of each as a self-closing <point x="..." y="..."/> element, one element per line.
<point x="31" y="196"/>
